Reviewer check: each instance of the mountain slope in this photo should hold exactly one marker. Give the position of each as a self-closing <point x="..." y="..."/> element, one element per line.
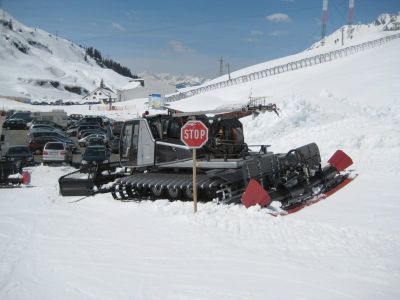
<point x="360" y="34"/>
<point x="36" y="64"/>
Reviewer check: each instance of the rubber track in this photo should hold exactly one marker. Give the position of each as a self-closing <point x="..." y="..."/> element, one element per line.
<point x="139" y="187"/>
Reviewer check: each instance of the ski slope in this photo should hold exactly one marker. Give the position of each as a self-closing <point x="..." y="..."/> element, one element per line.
<point x="345" y="247"/>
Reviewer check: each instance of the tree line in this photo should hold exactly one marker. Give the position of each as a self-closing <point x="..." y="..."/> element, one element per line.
<point x="108" y="63"/>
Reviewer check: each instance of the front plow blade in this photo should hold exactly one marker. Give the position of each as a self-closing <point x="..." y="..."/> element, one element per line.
<point x="76" y="184"/>
<point x="322" y="196"/>
<point x="255" y="194"/>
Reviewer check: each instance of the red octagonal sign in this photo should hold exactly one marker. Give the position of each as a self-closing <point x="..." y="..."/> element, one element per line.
<point x="194" y="134"/>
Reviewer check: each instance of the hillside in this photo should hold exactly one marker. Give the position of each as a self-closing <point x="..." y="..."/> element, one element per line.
<point x="36" y="64"/>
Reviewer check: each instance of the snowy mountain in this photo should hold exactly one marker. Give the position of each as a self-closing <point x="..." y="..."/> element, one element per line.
<point x="180" y="81"/>
<point x="384" y="24"/>
<point x="36" y="64"/>
<point x="345" y="247"/>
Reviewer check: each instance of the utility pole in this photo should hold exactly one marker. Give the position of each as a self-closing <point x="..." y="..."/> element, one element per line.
<point x="350" y="18"/>
<point x="324" y="20"/>
<point x="342" y="35"/>
<point x="221" y="66"/>
<point x="229" y="71"/>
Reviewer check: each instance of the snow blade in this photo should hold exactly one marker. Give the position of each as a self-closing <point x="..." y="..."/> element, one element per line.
<point x="347" y="178"/>
<point x="255" y="194"/>
<point x="340" y="161"/>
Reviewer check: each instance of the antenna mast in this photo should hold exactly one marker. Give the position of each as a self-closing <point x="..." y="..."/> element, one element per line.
<point x="324" y="20"/>
<point x="350" y="18"/>
<point x="221" y="66"/>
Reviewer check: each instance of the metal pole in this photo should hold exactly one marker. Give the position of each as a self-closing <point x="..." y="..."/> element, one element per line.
<point x="324" y="20"/>
<point x="221" y="66"/>
<point x="342" y="35"/>
<point x="194" y="181"/>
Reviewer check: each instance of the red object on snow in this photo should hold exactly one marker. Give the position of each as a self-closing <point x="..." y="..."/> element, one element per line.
<point x="26" y="177"/>
<point x="340" y="160"/>
<point x="255" y="194"/>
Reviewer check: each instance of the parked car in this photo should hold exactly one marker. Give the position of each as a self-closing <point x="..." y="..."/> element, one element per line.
<point x="99" y="140"/>
<point x="41" y="127"/>
<point x="75" y="129"/>
<point x="36" y="145"/>
<point x="93" y="128"/>
<point x="46" y="122"/>
<point x="83" y="142"/>
<point x="88" y="121"/>
<point x="19" y="153"/>
<point x="15" y="124"/>
<point x="86" y="132"/>
<point x="96" y="155"/>
<point x="56" y="152"/>
<point x="25" y="115"/>
<point x="36" y="133"/>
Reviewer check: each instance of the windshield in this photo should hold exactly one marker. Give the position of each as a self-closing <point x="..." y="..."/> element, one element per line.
<point x="55" y="146"/>
<point x="96" y="152"/>
<point x="18" y="150"/>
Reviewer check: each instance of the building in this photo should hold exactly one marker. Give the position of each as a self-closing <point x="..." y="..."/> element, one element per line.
<point x="143" y="87"/>
<point x="100" y="94"/>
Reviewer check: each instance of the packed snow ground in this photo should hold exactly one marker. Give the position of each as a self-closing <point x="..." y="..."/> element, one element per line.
<point x="345" y="247"/>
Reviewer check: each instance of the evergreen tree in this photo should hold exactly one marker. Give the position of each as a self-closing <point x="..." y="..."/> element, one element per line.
<point x="108" y="63"/>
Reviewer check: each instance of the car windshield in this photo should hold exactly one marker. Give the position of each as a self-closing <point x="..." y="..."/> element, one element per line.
<point x="55" y="146"/>
<point x="18" y="150"/>
<point x="96" y="152"/>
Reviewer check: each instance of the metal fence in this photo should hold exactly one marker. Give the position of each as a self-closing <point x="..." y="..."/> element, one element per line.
<point x="290" y="66"/>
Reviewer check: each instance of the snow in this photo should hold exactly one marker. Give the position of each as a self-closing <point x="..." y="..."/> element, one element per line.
<point x="131" y="85"/>
<point x="344" y="247"/>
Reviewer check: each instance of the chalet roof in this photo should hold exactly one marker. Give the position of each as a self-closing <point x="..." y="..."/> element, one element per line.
<point x="107" y="92"/>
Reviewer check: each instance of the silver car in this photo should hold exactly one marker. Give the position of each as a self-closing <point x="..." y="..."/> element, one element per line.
<point x="57" y="152"/>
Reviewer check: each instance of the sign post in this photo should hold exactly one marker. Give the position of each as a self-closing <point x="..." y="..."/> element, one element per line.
<point x="194" y="134"/>
<point x="194" y="184"/>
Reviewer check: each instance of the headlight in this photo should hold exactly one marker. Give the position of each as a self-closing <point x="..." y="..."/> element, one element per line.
<point x="105" y="161"/>
<point x="84" y="162"/>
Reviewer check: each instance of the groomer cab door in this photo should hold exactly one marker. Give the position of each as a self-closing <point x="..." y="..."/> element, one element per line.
<point x="137" y="144"/>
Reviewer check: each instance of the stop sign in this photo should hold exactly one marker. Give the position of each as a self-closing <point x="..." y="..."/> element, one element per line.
<point x="194" y="134"/>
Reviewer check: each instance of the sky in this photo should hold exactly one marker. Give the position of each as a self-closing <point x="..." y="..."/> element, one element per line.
<point x="189" y="36"/>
